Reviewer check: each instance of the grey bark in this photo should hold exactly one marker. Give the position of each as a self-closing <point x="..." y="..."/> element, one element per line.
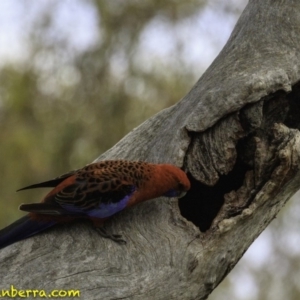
<point x="236" y="134"/>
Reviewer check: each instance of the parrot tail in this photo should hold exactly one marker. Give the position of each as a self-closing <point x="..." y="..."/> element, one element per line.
<point x="22" y="229"/>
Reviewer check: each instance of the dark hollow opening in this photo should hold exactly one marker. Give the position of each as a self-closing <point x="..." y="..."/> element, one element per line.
<point x="202" y="203"/>
<point x="292" y="120"/>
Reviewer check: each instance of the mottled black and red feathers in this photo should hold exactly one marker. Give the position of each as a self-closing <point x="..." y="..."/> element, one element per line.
<point x="97" y="191"/>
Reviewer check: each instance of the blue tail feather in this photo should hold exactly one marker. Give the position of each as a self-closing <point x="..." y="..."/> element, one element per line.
<point x="22" y="229"/>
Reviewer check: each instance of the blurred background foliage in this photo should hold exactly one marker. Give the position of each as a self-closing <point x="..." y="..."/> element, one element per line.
<point x="76" y="76"/>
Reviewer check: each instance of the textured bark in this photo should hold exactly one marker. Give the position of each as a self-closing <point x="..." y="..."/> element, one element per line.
<point x="236" y="134"/>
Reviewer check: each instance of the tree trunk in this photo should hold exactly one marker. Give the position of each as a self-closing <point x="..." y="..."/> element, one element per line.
<point x="236" y="135"/>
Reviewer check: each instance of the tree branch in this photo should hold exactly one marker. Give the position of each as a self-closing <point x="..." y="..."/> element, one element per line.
<point x="236" y="134"/>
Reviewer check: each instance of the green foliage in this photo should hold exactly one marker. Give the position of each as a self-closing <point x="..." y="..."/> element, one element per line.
<point x="64" y="105"/>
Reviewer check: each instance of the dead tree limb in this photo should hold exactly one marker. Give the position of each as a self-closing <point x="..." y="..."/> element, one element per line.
<point x="236" y="134"/>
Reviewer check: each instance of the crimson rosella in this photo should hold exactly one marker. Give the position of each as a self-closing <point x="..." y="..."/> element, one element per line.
<point x="96" y="192"/>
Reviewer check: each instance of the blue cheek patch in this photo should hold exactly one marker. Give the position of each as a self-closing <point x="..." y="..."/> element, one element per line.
<point x="172" y="193"/>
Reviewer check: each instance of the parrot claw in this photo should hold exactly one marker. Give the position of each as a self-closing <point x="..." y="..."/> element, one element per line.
<point x="115" y="237"/>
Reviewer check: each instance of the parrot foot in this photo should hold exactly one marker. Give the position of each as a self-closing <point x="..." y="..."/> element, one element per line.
<point x="115" y="237"/>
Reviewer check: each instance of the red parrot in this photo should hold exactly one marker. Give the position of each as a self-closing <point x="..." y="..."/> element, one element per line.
<point x="96" y="192"/>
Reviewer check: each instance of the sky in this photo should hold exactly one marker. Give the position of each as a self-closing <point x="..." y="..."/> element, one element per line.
<point x="202" y="36"/>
